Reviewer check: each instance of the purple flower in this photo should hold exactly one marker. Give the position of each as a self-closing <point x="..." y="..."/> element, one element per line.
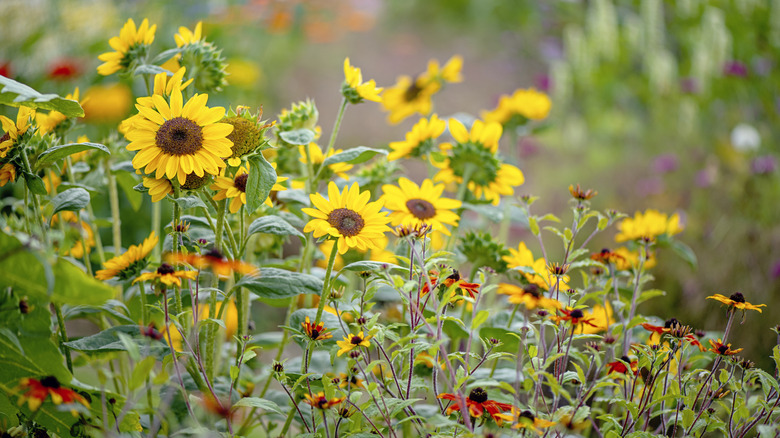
<point x="735" y="68"/>
<point x="776" y="270"/>
<point x="689" y="85"/>
<point x="763" y="165"/>
<point x="665" y="163"/>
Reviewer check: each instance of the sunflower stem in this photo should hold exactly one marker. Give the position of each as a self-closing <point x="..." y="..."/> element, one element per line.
<point x="36" y="202"/>
<point x="63" y="336"/>
<point x="176" y="243"/>
<point x="324" y="294"/>
<point x="211" y="330"/>
<point x="464" y="185"/>
<point x="333" y="135"/>
<point x="113" y="199"/>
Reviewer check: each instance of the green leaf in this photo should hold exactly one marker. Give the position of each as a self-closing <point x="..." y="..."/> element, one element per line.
<point x="141" y="371"/>
<point x="35" y="183"/>
<point x="74" y="286"/>
<point x="256" y="402"/>
<point x="127" y="182"/>
<point x="149" y="69"/>
<point x="298" y="137"/>
<point x="329" y="321"/>
<point x="262" y="178"/>
<point x="533" y="225"/>
<point x="355" y="155"/>
<point x="17" y="94"/>
<point x="187" y="202"/>
<point x="492" y="213"/>
<point x="109" y="341"/>
<point x="480" y="318"/>
<point x="55" y="153"/>
<point x="275" y="225"/>
<point x="273" y="285"/>
<point x="70" y="200"/>
<point x="684" y="252"/>
<point x="368" y="265"/>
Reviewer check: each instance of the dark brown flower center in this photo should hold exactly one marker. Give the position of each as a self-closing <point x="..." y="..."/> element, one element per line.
<point x="576" y="314"/>
<point x="165" y="269"/>
<point x="478" y="395"/>
<point x="50" y="382"/>
<point x="527" y="414"/>
<point x="5" y="137"/>
<point x="722" y="349"/>
<point x="421" y="209"/>
<point x="356" y="340"/>
<point x="314" y="333"/>
<point x="671" y="322"/>
<point x="532" y="290"/>
<point x="347" y="222"/>
<point x="455" y="276"/>
<point x="737" y="297"/>
<point x="179" y="136"/>
<point x="240" y="182"/>
<point x="412" y="92"/>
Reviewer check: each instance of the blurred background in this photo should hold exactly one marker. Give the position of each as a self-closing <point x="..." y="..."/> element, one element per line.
<point x="671" y="105"/>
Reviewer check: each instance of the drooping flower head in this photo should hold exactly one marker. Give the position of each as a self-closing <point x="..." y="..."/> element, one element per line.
<point x="474" y="156"/>
<point x="347" y="217"/>
<point x="14" y="131"/>
<point x="316" y="332"/>
<point x="413" y="96"/>
<point x="131" y="45"/>
<point x="354" y="89"/>
<point x="414" y="205"/>
<point x="521" y="106"/>
<point x="477" y="404"/>
<point x="167" y="275"/>
<point x="176" y="139"/>
<point x="418" y="141"/>
<point x="648" y="226"/>
<point x="351" y="342"/>
<point x="37" y="391"/>
<point x="130" y="263"/>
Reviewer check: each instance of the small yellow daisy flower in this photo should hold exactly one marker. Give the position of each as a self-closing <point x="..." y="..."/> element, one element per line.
<point x="648" y="226"/>
<point x="736" y="301"/>
<point x="354" y="89"/>
<point x="351" y="342"/>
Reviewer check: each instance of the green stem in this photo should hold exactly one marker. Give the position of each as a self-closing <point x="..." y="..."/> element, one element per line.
<point x="464" y="185"/>
<point x="211" y="330"/>
<point x="324" y="295"/>
<point x="116" y="219"/>
<point x="333" y="135"/>
<point x="175" y="235"/>
<point x="63" y="336"/>
<point x="36" y="201"/>
<point x="156" y="220"/>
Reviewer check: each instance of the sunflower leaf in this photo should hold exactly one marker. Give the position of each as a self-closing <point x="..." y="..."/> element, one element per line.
<point x="355" y="155"/>
<point x="298" y="137"/>
<point x="276" y="286"/>
<point x="262" y="178"/>
<point x="187" y="202"/>
<point x="55" y="153"/>
<point x="274" y="225"/>
<point x="148" y="69"/>
<point x="70" y="200"/>
<point x="14" y="93"/>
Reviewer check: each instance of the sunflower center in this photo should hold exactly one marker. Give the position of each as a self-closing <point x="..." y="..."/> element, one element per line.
<point x="348" y="222"/>
<point x="412" y="92"/>
<point x="179" y="136"/>
<point x="738" y="297"/>
<point x="240" y="182"/>
<point x="532" y="290"/>
<point x="50" y="382"/>
<point x="5" y="137"/>
<point x="356" y="340"/>
<point x="421" y="209"/>
<point x="165" y="269"/>
<point x="576" y="314"/>
<point x="478" y="395"/>
<point x="527" y="414"/>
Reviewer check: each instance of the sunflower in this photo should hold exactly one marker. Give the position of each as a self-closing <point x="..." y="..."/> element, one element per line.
<point x="130" y="263"/>
<point x="347" y="216"/>
<point x="474" y="153"/>
<point x="319" y="400"/>
<point x="186" y="36"/>
<point x="13" y="131"/>
<point x="130" y="45"/>
<point x="235" y="188"/>
<point x="414" y="205"/>
<point x="354" y="89"/>
<point x="167" y="275"/>
<point x="351" y="342"/>
<point x="158" y="188"/>
<point x="521" y="106"/>
<point x="523" y="258"/>
<point x="37" y="391"/>
<point x="736" y="301"/>
<point x="529" y="295"/>
<point x="526" y="420"/>
<point x="86" y="237"/>
<point x="648" y="226"/>
<point x="177" y="139"/>
<point x="7" y="174"/>
<point x="48" y="122"/>
<point x="477" y="404"/>
<point x="418" y="141"/>
<point x="317" y="157"/>
<point x="409" y="96"/>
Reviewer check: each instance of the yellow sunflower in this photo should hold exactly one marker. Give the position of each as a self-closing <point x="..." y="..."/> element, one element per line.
<point x="235" y="188"/>
<point x="648" y="225"/>
<point x="525" y="104"/>
<point x="47" y="122"/>
<point x="167" y="275"/>
<point x="414" y="205"/>
<point x="130" y="263"/>
<point x="186" y="36"/>
<point x="14" y="130"/>
<point x="131" y="43"/>
<point x="7" y="174"/>
<point x="522" y="257"/>
<point x="159" y="188"/>
<point x="177" y="139"/>
<point x="347" y="216"/>
<point x="474" y="154"/>
<point x="354" y="89"/>
<point x="317" y="157"/>
<point x="163" y="85"/>
<point x="86" y="239"/>
<point x="418" y="141"/>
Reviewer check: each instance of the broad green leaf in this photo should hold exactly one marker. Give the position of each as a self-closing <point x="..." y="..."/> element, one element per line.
<point x="149" y="69"/>
<point x="109" y="341"/>
<point x="34" y="182"/>
<point x="355" y="155"/>
<point x="14" y="93"/>
<point x="298" y="137"/>
<point x="187" y="202"/>
<point x="684" y="252"/>
<point x="74" y="286"/>
<point x="369" y="265"/>
<point x="480" y="319"/>
<point x="275" y="225"/>
<point x="493" y="214"/>
<point x="256" y="402"/>
<point x="55" y="153"/>
<point x="273" y="285"/>
<point x="127" y="182"/>
<point x="70" y="200"/>
<point x="533" y="225"/>
<point x="262" y="178"/>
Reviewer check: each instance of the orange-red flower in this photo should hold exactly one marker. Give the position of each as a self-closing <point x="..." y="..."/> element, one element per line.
<point x="316" y="332"/>
<point x="36" y="392"/>
<point x="167" y="275"/>
<point x="608" y="257"/>
<point x="723" y="349"/>
<point x="674" y="328"/>
<point x="619" y="366"/>
<point x="576" y="316"/>
<point x="319" y="400"/>
<point x="452" y="280"/>
<point x="215" y="261"/>
<point x="477" y="403"/>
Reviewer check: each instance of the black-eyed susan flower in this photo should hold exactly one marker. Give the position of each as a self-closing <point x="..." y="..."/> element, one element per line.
<point x="723" y="349"/>
<point x="354" y="89"/>
<point x="316" y="332"/>
<point x="215" y="261"/>
<point x="608" y="257"/>
<point x="413" y="96"/>
<point x="130" y="263"/>
<point x="736" y="301"/>
<point x="167" y="275"/>
<point x="414" y="205"/>
<point x="176" y="139"/>
<point x="350" y="380"/>
<point x="622" y="366"/>
<point x="521" y="106"/>
<point x="14" y="131"/>
<point x="452" y="280"/>
<point x="648" y="226"/>
<point x="348" y="217"/>
<point x="673" y="328"/>
<point x="419" y="140"/>
<point x="529" y="295"/>
<point x="351" y="342"/>
<point x="319" y="401"/>
<point x="7" y="173"/>
<point x="317" y="157"/>
<point x="575" y="316"/>
<point x="130" y="45"/>
<point x="473" y="156"/>
<point x="37" y="391"/>
<point x="526" y="420"/>
<point x="477" y="404"/>
<point x="580" y="194"/>
<point x="522" y="259"/>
